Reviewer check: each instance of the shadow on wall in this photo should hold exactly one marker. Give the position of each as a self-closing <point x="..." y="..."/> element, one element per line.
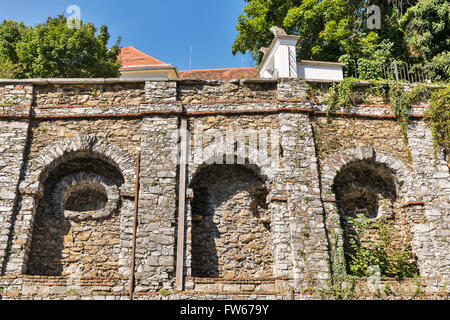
<point x="61" y="243"/>
<point x="229" y="239"/>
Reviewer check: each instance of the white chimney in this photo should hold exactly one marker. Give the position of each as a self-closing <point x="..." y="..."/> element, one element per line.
<point x="280" y="59"/>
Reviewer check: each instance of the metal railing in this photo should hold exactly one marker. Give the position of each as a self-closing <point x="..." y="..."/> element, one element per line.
<point x="399" y="71"/>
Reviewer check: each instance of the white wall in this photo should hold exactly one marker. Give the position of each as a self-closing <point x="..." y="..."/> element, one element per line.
<point x="317" y="72"/>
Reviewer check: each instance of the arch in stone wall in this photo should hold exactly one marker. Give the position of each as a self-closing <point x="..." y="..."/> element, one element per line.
<point x="231" y="198"/>
<point x="262" y="169"/>
<point x="67" y="149"/>
<point x="366" y="181"/>
<point x="78" y="181"/>
<point x="404" y="176"/>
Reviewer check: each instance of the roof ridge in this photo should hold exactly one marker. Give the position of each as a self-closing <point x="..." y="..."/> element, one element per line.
<point x="144" y="54"/>
<point x="218" y="69"/>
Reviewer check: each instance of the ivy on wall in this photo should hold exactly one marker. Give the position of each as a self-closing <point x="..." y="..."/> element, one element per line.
<point x="344" y="95"/>
<point x="438" y="117"/>
<point x="339" y="96"/>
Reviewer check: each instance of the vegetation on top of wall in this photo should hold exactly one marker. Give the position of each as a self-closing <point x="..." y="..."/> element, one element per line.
<point x="401" y="102"/>
<point x="339" y="95"/>
<point x="344" y="94"/>
<point x="54" y="50"/>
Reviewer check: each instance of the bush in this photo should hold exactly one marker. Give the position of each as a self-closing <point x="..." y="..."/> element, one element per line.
<point x="439" y="67"/>
<point x="393" y="262"/>
<point x="368" y="69"/>
<point x="350" y="65"/>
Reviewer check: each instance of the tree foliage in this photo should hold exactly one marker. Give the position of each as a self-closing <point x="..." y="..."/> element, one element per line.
<point x="328" y="29"/>
<point x="8" y="69"/>
<point x="414" y="31"/>
<point x="53" y="50"/>
<point x="427" y="28"/>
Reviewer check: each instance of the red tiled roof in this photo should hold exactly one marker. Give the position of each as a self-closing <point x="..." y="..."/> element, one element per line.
<point x="220" y="74"/>
<point x="132" y="58"/>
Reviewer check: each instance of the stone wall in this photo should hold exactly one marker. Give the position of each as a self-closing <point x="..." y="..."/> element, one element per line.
<point x="229" y="239"/>
<point x="257" y="224"/>
<point x="13" y="136"/>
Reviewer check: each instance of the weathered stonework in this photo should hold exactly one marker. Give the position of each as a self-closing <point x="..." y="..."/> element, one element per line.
<point x="261" y="227"/>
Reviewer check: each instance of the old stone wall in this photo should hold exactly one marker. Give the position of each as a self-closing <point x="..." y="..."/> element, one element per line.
<point x="270" y="184"/>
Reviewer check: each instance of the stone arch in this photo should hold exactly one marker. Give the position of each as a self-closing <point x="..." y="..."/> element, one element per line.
<point x="78" y="208"/>
<point x="378" y="185"/>
<point x="231" y="200"/>
<point x="213" y="153"/>
<point x="64" y="150"/>
<point x="102" y="199"/>
<point x="404" y="177"/>
<point x="365" y="186"/>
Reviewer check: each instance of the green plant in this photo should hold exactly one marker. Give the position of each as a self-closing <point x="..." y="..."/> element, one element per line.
<point x="8" y="69"/>
<point x="387" y="289"/>
<point x="339" y="96"/>
<point x="401" y="102"/>
<point x="9" y="102"/>
<point x="164" y="292"/>
<point x="438" y="117"/>
<point x="309" y="91"/>
<point x="301" y="253"/>
<point x="444" y="286"/>
<point x="368" y="69"/>
<point x="419" y="289"/>
<point x="439" y="67"/>
<point x="54" y="50"/>
<point x="340" y="285"/>
<point x="393" y="261"/>
<point x="400" y="105"/>
<point x="71" y="292"/>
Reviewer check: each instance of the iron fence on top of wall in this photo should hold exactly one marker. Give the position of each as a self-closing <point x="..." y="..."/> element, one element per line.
<point x="399" y="71"/>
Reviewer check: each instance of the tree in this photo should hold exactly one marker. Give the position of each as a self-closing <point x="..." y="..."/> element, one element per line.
<point x="53" y="50"/>
<point x="8" y="69"/>
<point x="10" y="35"/>
<point x="328" y="29"/>
<point x="427" y="28"/>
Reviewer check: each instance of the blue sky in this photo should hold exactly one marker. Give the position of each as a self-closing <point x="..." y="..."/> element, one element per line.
<point x="165" y="29"/>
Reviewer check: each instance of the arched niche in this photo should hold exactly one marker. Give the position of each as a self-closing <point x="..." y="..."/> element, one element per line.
<point x="372" y="219"/>
<point x="230" y="231"/>
<point x="77" y="218"/>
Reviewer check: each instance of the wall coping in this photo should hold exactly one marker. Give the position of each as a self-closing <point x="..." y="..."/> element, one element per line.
<point x="91" y="81"/>
<point x="47" y="81"/>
